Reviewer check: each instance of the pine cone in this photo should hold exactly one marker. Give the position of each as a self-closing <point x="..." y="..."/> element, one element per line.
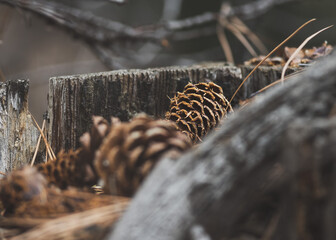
<point x="198" y="109"/>
<point x="68" y="169"/>
<point x="24" y="193"/>
<point x="91" y="141"/>
<point x="76" y="168"/>
<point x="131" y="150"/>
<point x="16" y="187"/>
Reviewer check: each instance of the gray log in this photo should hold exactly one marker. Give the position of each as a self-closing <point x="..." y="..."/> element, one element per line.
<point x="18" y="135"/>
<point x="124" y="93"/>
<point x="276" y="149"/>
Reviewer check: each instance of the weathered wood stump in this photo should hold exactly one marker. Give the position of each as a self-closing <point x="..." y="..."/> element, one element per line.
<point x="268" y="173"/>
<point x="18" y="135"/>
<point x="124" y="93"/>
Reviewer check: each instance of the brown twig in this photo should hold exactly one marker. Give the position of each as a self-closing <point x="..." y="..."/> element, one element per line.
<point x="241" y="38"/>
<point x="4" y="174"/>
<point x="268" y="55"/>
<point x="48" y="148"/>
<point x="51" y="151"/>
<point x="248" y="32"/>
<point x="38" y="144"/>
<point x="225" y="22"/>
<point x="224" y="43"/>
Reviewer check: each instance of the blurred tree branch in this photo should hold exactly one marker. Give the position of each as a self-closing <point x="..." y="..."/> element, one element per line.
<point x="109" y="38"/>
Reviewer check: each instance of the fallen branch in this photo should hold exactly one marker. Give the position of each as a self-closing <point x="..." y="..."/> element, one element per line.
<point x="111" y="35"/>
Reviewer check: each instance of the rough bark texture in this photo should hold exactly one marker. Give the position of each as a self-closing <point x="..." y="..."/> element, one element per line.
<point x="18" y="135"/>
<point x="268" y="173"/>
<point x="123" y="93"/>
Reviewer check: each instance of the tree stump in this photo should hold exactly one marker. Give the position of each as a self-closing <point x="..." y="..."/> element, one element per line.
<point x="123" y="93"/>
<point x="268" y="173"/>
<point x="18" y="135"/>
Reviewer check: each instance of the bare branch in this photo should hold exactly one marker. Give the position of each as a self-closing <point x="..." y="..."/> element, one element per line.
<point x="118" y="1"/>
<point x="103" y="34"/>
<point x="81" y="22"/>
<point x="255" y="9"/>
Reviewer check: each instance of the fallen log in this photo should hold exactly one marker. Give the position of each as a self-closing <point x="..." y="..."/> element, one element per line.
<point x="268" y="173"/>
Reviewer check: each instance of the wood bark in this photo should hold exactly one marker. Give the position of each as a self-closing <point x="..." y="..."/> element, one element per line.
<point x="268" y="173"/>
<point x="18" y="135"/>
<point x="123" y="93"/>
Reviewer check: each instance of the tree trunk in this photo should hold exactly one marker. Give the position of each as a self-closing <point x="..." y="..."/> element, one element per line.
<point x="18" y="135"/>
<point x="268" y="173"/>
<point x="124" y="93"/>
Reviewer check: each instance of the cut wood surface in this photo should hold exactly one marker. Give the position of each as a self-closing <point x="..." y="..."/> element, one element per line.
<point x="18" y="135"/>
<point x="124" y="93"/>
<point x="268" y="173"/>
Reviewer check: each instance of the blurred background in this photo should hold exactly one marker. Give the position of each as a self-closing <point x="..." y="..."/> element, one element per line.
<point x="36" y="48"/>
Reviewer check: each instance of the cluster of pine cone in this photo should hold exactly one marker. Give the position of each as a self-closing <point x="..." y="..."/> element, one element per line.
<point x="119" y="154"/>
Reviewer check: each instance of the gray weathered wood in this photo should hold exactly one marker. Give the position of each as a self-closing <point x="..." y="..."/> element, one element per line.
<point x="18" y="135"/>
<point x="273" y="149"/>
<point x="123" y="93"/>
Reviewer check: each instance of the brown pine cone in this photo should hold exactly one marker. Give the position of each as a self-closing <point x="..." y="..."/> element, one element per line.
<point x="198" y="109"/>
<point x="24" y="193"/>
<point x="76" y="168"/>
<point x="68" y="169"/>
<point x="131" y="150"/>
<point x="91" y="141"/>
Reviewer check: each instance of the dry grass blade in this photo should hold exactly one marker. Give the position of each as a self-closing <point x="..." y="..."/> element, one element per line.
<point x="241" y="38"/>
<point x="37" y="145"/>
<point x="298" y="50"/>
<point x="49" y="150"/>
<point x="253" y="37"/>
<point x="4" y="174"/>
<point x="276" y="48"/>
<point x="224" y="43"/>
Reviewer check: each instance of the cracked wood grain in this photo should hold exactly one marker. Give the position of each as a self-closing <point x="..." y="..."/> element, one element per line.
<point x="124" y="93"/>
<point x="18" y="135"/>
